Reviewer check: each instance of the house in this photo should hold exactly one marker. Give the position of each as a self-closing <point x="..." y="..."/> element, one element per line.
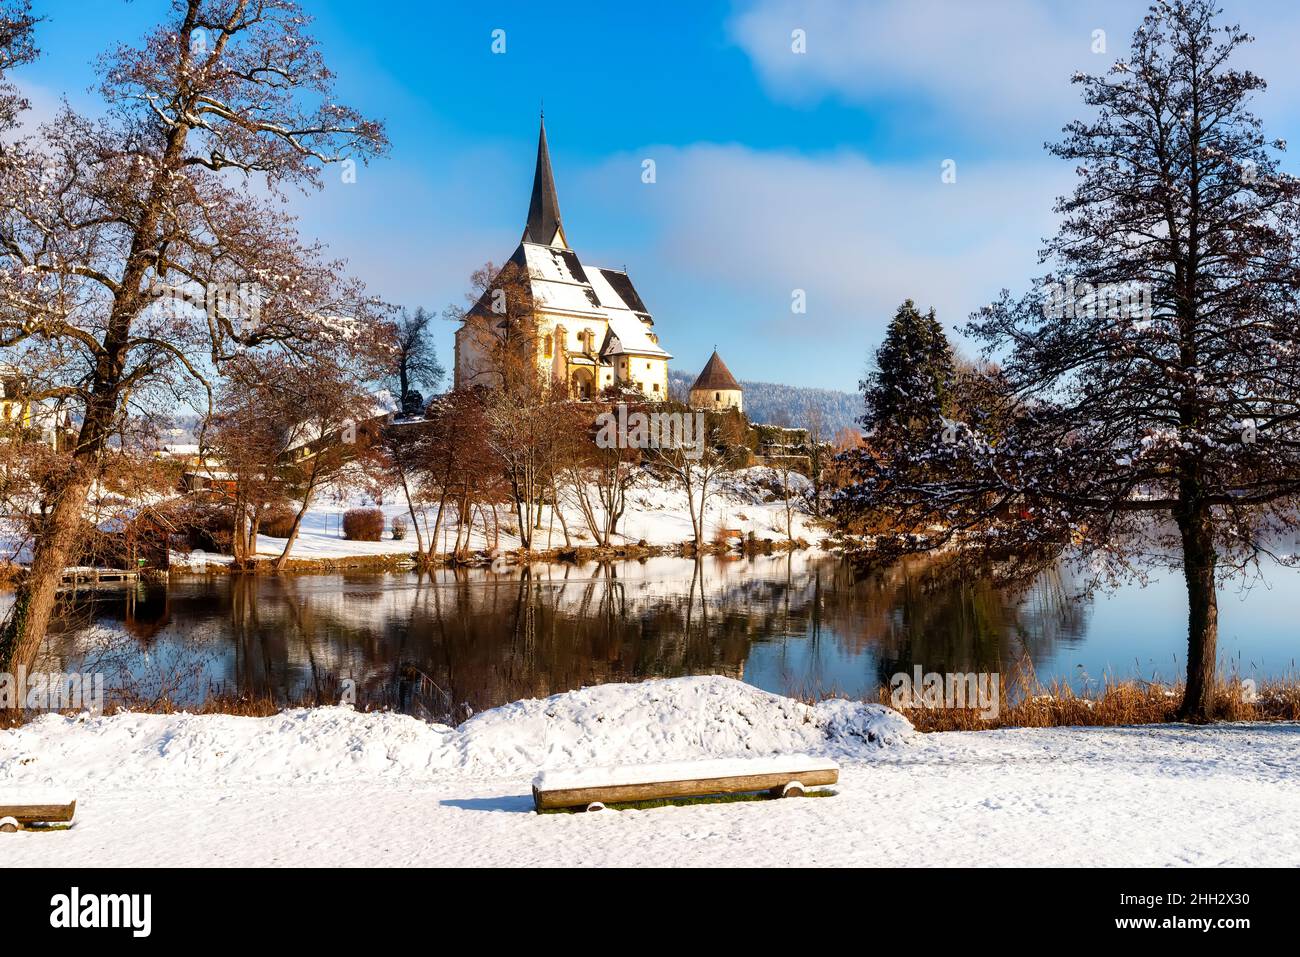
<point x="716" y="389"/>
<point x="15" y="408"/>
<point x="35" y="420"/>
<point x="590" y="329"/>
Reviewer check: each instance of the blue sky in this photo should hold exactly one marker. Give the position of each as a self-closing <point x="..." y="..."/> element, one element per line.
<point x="776" y="171"/>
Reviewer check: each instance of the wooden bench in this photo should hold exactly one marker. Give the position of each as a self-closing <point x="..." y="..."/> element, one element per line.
<point x="14" y="817"/>
<point x="592" y="788"/>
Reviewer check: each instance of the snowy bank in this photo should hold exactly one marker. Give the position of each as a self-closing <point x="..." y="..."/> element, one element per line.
<point x="331" y="787"/>
<point x="745" y="501"/>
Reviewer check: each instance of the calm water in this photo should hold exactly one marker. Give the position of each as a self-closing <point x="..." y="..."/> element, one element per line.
<point x="441" y="646"/>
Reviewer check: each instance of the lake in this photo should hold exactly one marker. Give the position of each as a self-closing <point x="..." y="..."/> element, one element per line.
<point x="459" y="641"/>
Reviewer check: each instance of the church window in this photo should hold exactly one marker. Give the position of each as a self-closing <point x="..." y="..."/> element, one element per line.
<point x="717" y="397"/>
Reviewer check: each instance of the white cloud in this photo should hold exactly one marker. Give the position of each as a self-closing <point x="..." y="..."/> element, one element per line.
<point x="974" y="63"/>
<point x="730" y="232"/>
<point x="982" y="71"/>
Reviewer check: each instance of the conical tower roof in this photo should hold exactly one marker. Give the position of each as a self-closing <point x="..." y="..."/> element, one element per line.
<point x="716" y="376"/>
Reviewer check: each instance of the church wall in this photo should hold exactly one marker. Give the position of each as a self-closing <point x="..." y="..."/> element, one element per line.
<point x="644" y="372"/>
<point x="473" y="361"/>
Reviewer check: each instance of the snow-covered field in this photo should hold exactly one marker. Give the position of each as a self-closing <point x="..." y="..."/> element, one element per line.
<point x="334" y="787"/>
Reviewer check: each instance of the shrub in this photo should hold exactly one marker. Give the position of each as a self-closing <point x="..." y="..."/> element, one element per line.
<point x="277" y="521"/>
<point x="363" y="524"/>
<point x="206" y="524"/>
<point x="399" y="528"/>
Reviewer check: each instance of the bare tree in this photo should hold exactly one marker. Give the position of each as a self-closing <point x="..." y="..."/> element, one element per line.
<point x="814" y="423"/>
<point x="406" y="447"/>
<point x="790" y="493"/>
<point x="499" y="343"/>
<point x="336" y="423"/>
<point x="523" y="426"/>
<point x="415" y="360"/>
<point x="166" y="195"/>
<point x="17" y="46"/>
<point x="696" y="474"/>
<point x="246" y="442"/>
<point x="458" y="465"/>
<point x="599" y="479"/>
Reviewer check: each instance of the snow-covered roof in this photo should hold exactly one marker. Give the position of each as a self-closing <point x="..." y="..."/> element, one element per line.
<point x="629" y="335"/>
<point x="560" y="283"/>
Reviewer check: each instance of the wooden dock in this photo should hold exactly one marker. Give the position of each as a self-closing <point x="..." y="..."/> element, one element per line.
<point x="78" y="577"/>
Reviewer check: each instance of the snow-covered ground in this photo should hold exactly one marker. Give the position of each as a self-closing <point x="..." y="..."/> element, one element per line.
<point x="745" y="500"/>
<point x="334" y="787"/>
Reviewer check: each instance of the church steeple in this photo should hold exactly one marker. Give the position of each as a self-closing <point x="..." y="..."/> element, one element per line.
<point x="544" y="224"/>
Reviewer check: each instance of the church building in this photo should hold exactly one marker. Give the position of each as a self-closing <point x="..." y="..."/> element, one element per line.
<point x="590" y="328"/>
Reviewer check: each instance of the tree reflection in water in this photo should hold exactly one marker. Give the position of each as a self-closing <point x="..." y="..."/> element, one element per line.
<point x="456" y="641"/>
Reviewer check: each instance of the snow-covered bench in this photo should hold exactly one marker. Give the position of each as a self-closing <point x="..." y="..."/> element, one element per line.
<point x="781" y="776"/>
<point x="14" y="817"/>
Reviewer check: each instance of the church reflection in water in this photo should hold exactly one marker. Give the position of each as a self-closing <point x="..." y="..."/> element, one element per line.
<point x="455" y="642"/>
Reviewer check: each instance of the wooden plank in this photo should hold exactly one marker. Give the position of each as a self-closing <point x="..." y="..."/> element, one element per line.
<point x="545" y="800"/>
<point x="39" y="813"/>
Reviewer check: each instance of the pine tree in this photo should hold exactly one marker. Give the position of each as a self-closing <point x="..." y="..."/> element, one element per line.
<point x="911" y="386"/>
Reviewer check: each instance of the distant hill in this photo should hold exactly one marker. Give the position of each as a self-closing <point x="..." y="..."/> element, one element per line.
<point x="777" y="404"/>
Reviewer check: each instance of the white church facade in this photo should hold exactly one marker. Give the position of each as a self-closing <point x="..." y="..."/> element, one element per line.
<point x="591" y="330"/>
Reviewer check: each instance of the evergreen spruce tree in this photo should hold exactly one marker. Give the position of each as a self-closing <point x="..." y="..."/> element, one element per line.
<point x="911" y="386"/>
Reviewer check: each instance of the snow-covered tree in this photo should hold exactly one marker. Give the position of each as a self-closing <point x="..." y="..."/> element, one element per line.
<point x="1150" y="390"/>
<point x="142" y="250"/>
<point x="911" y="384"/>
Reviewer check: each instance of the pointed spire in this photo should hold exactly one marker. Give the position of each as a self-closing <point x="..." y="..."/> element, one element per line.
<point x="544" y="208"/>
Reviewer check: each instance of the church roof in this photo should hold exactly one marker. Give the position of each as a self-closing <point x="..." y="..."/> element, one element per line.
<point x="544" y="208"/>
<point x="628" y="335"/>
<point x="716" y="376"/>
<point x="560" y="283"/>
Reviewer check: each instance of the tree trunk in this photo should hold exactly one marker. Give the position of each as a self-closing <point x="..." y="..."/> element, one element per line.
<point x="555" y="509"/>
<point x="24" y="629"/>
<point x="293" y="532"/>
<point x="420" y="559"/>
<point x="1199" y="561"/>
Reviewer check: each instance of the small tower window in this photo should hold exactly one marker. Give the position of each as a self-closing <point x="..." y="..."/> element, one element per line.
<point x="717" y="397"/>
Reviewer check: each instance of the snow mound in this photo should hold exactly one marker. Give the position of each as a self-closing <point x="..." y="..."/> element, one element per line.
<point x="302" y="745"/>
<point x="677" y="719"/>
